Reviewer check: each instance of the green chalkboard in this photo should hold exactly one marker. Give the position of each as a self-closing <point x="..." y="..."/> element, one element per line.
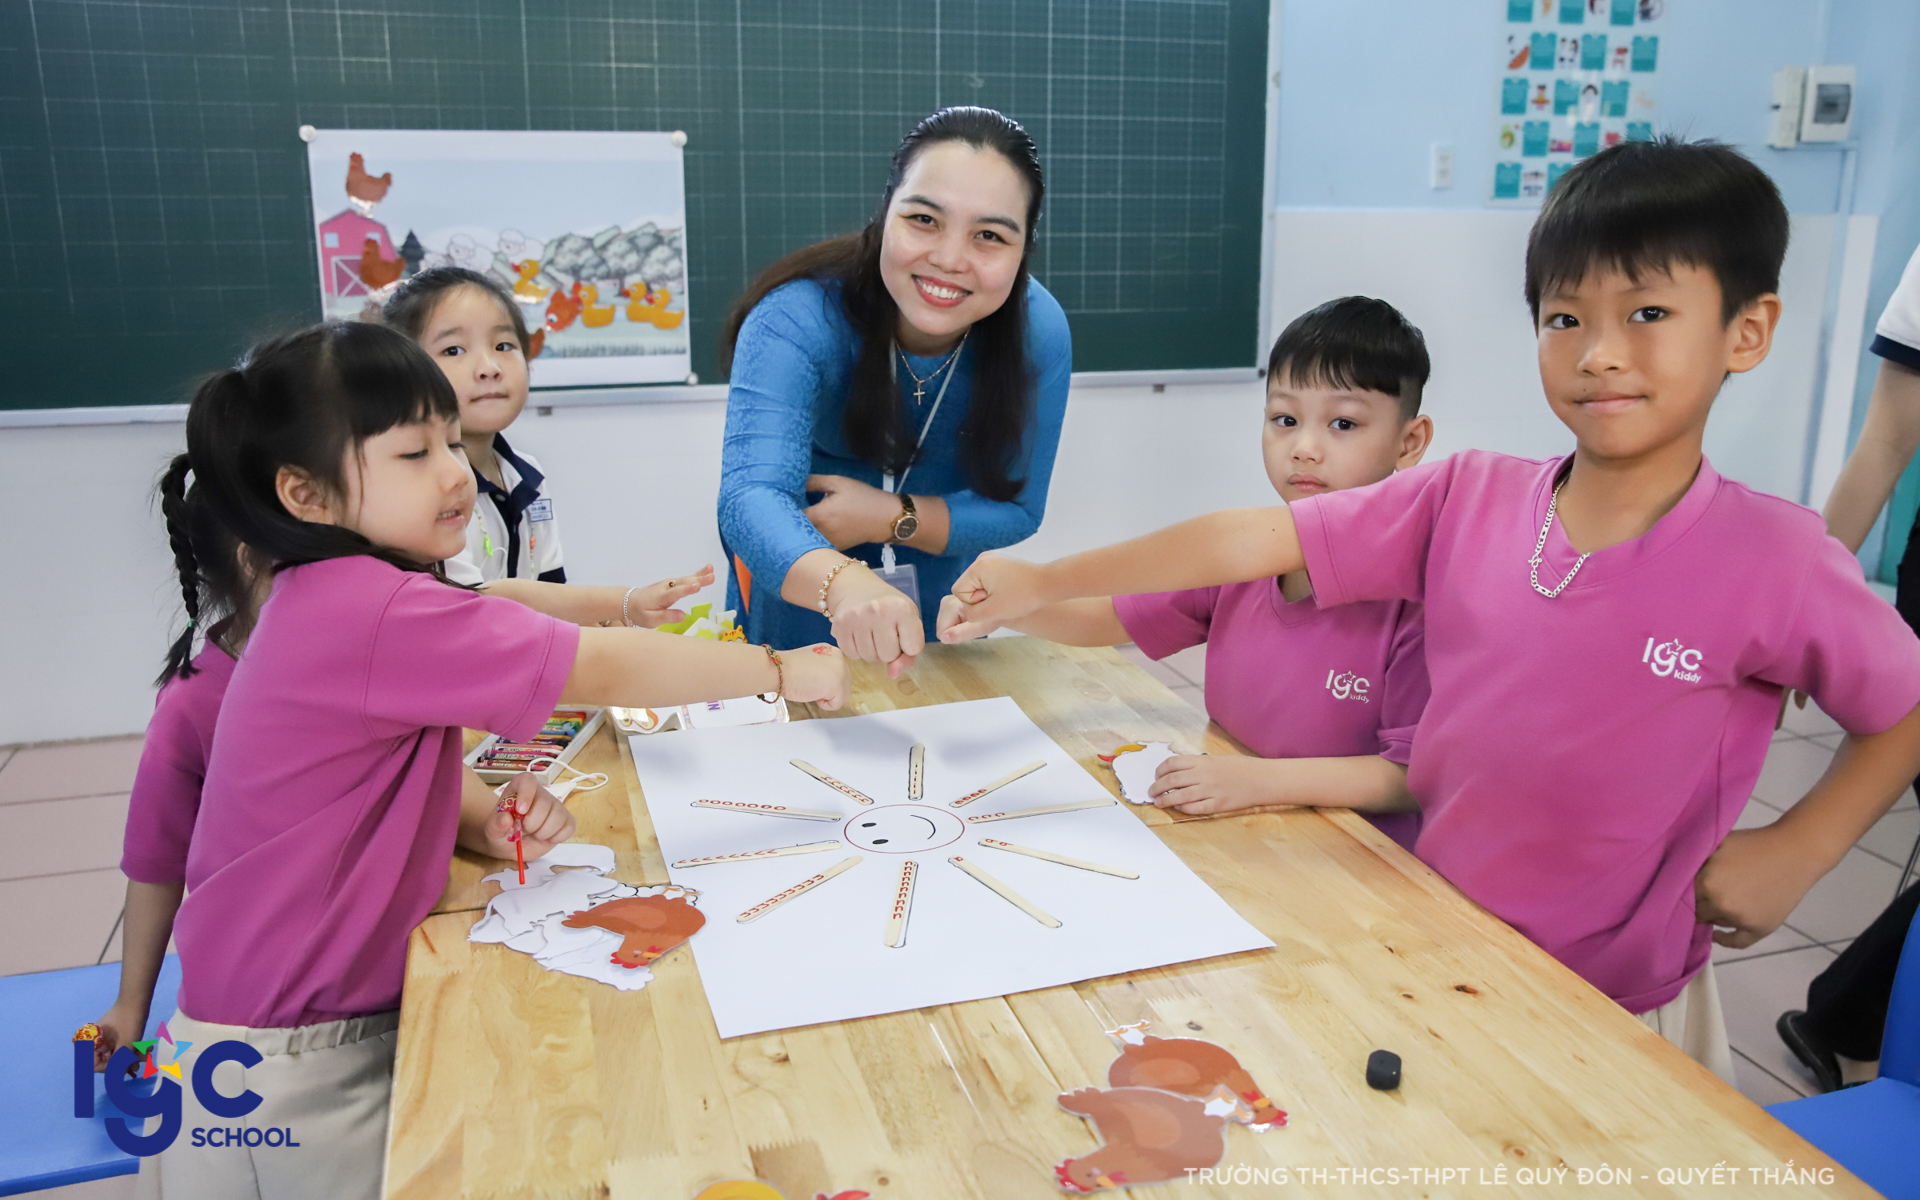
<point x="153" y="191"/>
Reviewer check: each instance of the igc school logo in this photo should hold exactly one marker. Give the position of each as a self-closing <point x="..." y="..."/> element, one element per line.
<point x="142" y="1060"/>
<point x="1672" y="659"/>
<point x="1346" y="685"/>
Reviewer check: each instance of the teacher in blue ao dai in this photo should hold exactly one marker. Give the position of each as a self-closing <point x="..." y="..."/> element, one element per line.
<point x="896" y="399"/>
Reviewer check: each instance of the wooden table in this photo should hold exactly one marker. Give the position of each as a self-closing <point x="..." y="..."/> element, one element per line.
<point x="513" y="1081"/>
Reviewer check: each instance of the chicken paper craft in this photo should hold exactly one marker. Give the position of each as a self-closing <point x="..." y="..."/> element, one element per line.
<point x="1193" y="1068"/>
<point x="1147" y="1136"/>
<point x="566" y="919"/>
<point x="1134" y="766"/>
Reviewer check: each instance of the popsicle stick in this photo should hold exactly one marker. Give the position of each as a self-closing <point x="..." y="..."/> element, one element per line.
<point x="902" y="904"/>
<point x="1006" y="893"/>
<point x="916" y="772"/>
<point x="1062" y="859"/>
<point x="751" y="855"/>
<point x="830" y="781"/>
<point x="805" y="885"/>
<point x="982" y="818"/>
<point x="770" y="810"/>
<point x="999" y="783"/>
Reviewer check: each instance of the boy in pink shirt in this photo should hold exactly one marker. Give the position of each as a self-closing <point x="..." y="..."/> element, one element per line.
<point x="1608" y="634"/>
<point x="1328" y="697"/>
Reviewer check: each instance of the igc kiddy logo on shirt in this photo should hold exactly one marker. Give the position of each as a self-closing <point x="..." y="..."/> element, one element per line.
<point x="1672" y="659"/>
<point x="1345" y="685"/>
<point x="164" y="1100"/>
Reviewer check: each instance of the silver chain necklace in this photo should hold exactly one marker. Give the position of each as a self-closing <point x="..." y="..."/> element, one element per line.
<point x="919" y="384"/>
<point x="1553" y="505"/>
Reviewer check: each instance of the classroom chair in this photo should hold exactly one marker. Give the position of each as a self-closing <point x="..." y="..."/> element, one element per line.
<point x="1874" y="1130"/>
<point x="42" y="1144"/>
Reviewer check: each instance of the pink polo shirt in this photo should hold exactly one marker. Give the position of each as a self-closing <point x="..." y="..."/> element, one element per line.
<point x="1582" y="756"/>
<point x="1298" y="680"/>
<point x="173" y="766"/>
<point x="332" y="796"/>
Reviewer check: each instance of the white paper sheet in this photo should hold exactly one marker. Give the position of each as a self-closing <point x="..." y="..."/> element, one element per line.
<point x="822" y="956"/>
<point x="527" y="916"/>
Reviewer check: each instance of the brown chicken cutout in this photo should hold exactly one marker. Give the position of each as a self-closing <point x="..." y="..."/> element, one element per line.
<point x="651" y="925"/>
<point x="1149" y="1136"/>
<point x="1190" y="1067"/>
<point x="364" y="190"/>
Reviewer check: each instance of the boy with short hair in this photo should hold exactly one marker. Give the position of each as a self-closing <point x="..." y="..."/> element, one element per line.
<point x="1607" y="634"/>
<point x="1327" y="697"/>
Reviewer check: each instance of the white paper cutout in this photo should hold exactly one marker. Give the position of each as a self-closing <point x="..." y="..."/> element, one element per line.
<point x="1135" y="770"/>
<point x="527" y="917"/>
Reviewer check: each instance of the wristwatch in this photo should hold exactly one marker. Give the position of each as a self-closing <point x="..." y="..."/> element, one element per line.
<point x="908" y="522"/>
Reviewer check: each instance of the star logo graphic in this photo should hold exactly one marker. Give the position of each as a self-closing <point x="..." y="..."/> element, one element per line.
<point x="149" y="1066"/>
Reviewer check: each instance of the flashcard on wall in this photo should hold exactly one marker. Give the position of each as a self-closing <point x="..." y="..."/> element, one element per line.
<point x="1566" y="94"/>
<point x="1555" y="171"/>
<point x="1639" y="131"/>
<point x="1623" y="12"/>
<point x="1613" y="98"/>
<point x="1586" y="140"/>
<point x="1540" y="100"/>
<point x="1646" y="53"/>
<point x="1533" y="183"/>
<point x="1519" y="10"/>
<point x="1593" y="52"/>
<point x="1513" y="96"/>
<point x="1506" y="181"/>
<point x="1545" y="46"/>
<point x="1147" y="1136"/>
<point x="1517" y="51"/>
<point x="1589" y="108"/>
<point x="1560" y="145"/>
<point x="1569" y="56"/>
<point x="1573" y="12"/>
<point x="1534" y="140"/>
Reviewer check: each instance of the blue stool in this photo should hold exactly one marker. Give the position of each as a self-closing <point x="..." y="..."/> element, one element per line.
<point x="42" y="1144"/>
<point x="1874" y="1130"/>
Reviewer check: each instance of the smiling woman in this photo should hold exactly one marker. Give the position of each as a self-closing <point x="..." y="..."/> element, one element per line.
<point x="918" y="348"/>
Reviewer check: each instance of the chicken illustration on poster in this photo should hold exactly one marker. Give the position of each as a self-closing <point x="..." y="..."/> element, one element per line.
<point x="587" y="232"/>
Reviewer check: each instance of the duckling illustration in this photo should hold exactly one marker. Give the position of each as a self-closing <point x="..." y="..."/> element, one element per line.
<point x="594" y="314"/>
<point x="563" y="308"/>
<point x="649" y="306"/>
<point x="525" y="288"/>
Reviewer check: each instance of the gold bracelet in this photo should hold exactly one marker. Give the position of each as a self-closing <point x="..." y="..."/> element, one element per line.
<point x="843" y="565"/>
<point x="779" y="670"/>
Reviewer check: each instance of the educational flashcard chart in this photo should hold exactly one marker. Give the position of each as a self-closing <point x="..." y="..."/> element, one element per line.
<point x="1576" y="76"/>
<point x="587" y="232"/>
<point x="862" y="865"/>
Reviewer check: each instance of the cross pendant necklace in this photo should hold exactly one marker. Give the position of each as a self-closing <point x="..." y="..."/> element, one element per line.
<point x="919" y="384"/>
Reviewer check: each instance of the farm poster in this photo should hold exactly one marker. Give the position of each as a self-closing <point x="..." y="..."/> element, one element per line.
<point x="587" y="232"/>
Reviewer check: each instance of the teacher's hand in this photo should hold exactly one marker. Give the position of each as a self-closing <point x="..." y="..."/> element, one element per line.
<point x="851" y="513"/>
<point x="874" y="621"/>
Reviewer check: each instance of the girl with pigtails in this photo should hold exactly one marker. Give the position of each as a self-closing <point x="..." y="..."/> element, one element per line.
<point x="328" y="467"/>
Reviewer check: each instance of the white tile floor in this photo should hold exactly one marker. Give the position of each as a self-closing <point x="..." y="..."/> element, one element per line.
<point x="68" y="808"/>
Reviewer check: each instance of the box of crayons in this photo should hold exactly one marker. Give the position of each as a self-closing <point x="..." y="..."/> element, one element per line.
<point x="497" y="760"/>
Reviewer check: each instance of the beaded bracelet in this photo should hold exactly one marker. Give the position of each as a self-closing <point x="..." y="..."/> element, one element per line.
<point x="624" y="618"/>
<point x="779" y="670"/>
<point x="828" y="582"/>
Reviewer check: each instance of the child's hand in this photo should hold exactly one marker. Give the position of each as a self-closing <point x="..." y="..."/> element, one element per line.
<point x="993" y="591"/>
<point x="1200" y="784"/>
<point x="653" y="605"/>
<point x="817" y="674"/>
<point x="544" y="820"/>
<point x="1751" y="883"/>
<point x="953" y="611"/>
<point x="123" y="1025"/>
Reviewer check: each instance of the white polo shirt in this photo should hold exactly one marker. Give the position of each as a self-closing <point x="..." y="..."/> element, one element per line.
<point x="1897" y="336"/>
<point x="513" y="534"/>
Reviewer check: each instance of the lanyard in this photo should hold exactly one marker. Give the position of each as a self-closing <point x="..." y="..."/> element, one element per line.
<point x="887" y="481"/>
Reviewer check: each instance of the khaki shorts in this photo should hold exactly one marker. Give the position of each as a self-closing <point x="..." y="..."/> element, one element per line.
<point x="1693" y="1021"/>
<point x="327" y="1087"/>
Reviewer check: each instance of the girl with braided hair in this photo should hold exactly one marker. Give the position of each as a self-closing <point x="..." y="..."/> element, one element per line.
<point x="333" y="793"/>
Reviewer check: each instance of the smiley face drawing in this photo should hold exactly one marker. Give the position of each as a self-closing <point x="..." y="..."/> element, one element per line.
<point x="902" y="829"/>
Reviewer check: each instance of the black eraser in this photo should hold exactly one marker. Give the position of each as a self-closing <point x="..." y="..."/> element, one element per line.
<point x="1383" y="1070"/>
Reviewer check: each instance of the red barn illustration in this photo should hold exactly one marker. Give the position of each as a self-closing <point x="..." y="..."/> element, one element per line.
<point x="343" y="237"/>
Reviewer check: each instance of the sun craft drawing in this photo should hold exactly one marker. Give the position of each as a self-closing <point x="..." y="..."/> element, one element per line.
<point x="902" y="828"/>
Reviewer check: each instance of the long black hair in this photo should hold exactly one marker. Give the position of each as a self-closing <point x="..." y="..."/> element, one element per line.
<point x="301" y="401"/>
<point x="876" y="424"/>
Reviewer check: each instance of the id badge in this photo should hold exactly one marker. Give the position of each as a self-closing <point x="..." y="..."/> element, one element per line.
<point x="904" y="577"/>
